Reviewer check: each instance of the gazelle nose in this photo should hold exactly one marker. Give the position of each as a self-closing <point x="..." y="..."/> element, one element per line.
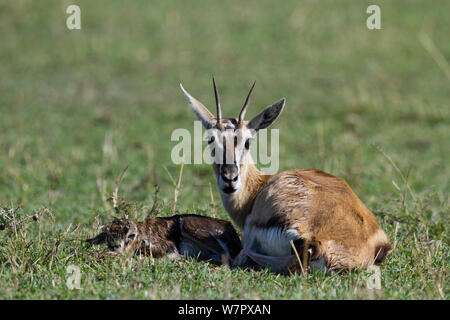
<point x="226" y="179"/>
<point x="229" y="173"/>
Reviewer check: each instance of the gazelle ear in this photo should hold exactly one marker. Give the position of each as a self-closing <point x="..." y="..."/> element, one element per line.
<point x="266" y="117"/>
<point x="199" y="109"/>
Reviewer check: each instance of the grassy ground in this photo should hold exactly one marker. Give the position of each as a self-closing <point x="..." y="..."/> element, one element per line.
<point x="76" y="107"/>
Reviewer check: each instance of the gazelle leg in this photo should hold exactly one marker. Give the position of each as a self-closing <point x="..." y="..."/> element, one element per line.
<point x="276" y="263"/>
<point x="279" y="264"/>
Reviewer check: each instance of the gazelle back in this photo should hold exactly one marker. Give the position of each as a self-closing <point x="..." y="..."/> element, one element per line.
<point x="315" y="210"/>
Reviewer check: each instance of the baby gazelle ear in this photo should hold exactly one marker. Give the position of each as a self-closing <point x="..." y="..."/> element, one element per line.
<point x="101" y="238"/>
<point x="199" y="109"/>
<point x="266" y="117"/>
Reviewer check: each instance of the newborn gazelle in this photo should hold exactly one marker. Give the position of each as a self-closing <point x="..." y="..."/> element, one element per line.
<point x="180" y="235"/>
<point x="306" y="206"/>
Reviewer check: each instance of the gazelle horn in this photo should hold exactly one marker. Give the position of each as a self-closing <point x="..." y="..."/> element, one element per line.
<point x="219" y="109"/>
<point x="244" y="108"/>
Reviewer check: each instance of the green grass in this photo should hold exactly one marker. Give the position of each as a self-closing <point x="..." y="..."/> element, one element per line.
<point x="76" y="107"/>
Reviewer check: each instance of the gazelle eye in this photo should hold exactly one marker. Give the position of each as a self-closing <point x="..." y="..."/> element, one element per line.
<point x="247" y="144"/>
<point x="132" y="236"/>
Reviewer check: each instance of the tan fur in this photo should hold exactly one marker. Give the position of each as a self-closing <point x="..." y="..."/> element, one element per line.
<point x="239" y="205"/>
<point x="321" y="207"/>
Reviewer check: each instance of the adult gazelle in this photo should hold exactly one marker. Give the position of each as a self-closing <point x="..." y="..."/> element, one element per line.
<point x="316" y="211"/>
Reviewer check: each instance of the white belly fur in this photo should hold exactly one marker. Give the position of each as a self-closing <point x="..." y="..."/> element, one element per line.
<point x="274" y="241"/>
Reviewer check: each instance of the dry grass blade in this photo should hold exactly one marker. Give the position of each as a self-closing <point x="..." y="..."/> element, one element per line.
<point x="429" y="45"/>
<point x="116" y="190"/>
<point x="177" y="188"/>
<point x="305" y="255"/>
<point x="213" y="203"/>
<point x="155" y="201"/>
<point x="298" y="258"/>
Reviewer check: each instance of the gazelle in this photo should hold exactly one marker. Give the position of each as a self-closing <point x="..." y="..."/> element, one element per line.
<point x="303" y="206"/>
<point x="180" y="235"/>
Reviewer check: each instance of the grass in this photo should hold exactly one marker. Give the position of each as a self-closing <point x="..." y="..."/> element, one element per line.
<point x="77" y="107"/>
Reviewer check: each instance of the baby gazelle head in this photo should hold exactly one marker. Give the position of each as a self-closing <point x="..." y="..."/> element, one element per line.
<point x="230" y="138"/>
<point x="121" y="235"/>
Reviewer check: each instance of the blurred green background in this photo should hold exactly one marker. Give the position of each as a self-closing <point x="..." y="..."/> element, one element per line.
<point x="77" y="106"/>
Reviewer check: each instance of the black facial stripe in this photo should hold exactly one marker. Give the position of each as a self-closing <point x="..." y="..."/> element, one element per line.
<point x="224" y="151"/>
<point x="247" y="144"/>
<point x="234" y="150"/>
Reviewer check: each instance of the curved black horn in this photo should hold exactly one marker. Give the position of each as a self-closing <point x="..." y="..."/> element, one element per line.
<point x="216" y="93"/>
<point x="244" y="108"/>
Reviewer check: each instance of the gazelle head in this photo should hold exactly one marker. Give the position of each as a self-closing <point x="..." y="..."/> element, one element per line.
<point x="121" y="235"/>
<point x="230" y="138"/>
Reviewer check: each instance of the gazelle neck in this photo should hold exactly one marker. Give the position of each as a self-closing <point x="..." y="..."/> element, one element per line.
<point x="239" y="204"/>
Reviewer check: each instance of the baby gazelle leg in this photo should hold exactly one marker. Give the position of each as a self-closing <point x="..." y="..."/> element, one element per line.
<point x="103" y="255"/>
<point x="174" y="256"/>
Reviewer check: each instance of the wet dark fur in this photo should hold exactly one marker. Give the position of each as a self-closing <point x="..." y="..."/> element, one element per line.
<point x="190" y="235"/>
